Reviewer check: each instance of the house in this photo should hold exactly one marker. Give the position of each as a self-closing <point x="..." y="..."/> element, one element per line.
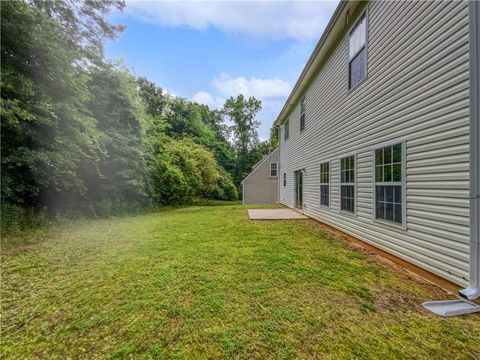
<point x="261" y="185"/>
<point x="380" y="134"/>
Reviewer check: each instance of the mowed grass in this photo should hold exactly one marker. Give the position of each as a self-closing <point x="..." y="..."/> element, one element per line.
<point x="205" y="282"/>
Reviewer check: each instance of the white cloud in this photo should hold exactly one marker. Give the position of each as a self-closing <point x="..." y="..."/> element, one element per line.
<point x="272" y="92"/>
<point x="263" y="89"/>
<point x="205" y="98"/>
<point x="298" y="20"/>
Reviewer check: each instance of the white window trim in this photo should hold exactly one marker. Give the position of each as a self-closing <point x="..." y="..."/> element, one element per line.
<point x="402" y="183"/>
<point x="329" y="185"/>
<point x="354" y="183"/>
<point x="276" y="169"/>
<point x="286" y="126"/>
<point x="303" y="99"/>
<point x="363" y="13"/>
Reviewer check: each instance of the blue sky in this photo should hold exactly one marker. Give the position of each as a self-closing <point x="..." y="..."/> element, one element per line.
<point x="208" y="51"/>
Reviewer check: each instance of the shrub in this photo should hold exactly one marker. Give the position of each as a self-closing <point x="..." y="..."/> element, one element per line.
<point x="184" y="171"/>
<point x="17" y="221"/>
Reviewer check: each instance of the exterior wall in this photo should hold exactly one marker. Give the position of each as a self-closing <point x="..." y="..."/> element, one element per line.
<point x="416" y="91"/>
<point x="259" y="187"/>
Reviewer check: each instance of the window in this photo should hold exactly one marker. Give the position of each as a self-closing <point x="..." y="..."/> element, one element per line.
<point x="284" y="179"/>
<point x="389" y="183"/>
<point x="325" y="184"/>
<point x="273" y="169"/>
<point x="357" y="53"/>
<point x="347" y="184"/>
<point x="302" y="114"/>
<point x="286" y="129"/>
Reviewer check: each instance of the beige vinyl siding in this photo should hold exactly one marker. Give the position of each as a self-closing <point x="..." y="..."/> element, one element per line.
<point x="416" y="92"/>
<point x="259" y="187"/>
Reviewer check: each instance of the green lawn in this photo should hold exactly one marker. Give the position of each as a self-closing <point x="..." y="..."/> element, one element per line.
<point x="205" y="282"/>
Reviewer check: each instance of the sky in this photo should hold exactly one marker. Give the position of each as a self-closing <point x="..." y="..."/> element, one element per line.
<point x="209" y="51"/>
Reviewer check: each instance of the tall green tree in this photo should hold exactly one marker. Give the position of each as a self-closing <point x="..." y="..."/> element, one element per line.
<point x="79" y="133"/>
<point x="117" y="108"/>
<point x="153" y="97"/>
<point x="242" y="113"/>
<point x="50" y="137"/>
<point x="274" y="134"/>
<point x="186" y="152"/>
<point x="84" y="23"/>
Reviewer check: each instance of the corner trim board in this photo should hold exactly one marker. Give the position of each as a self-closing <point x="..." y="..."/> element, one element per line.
<point x="473" y="290"/>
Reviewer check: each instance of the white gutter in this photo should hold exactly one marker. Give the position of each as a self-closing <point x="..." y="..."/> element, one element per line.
<point x="279" y="167"/>
<point x="473" y="290"/>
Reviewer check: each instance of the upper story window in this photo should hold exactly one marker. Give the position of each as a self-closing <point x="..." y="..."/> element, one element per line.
<point x="286" y="129"/>
<point x="357" y="52"/>
<point x="347" y="184"/>
<point x="325" y="184"/>
<point x="302" y="114"/>
<point x="273" y="169"/>
<point x="389" y="180"/>
<point x="284" y="179"/>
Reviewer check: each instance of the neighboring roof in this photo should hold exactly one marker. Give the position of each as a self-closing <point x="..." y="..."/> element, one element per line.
<point x="328" y="40"/>
<point x="261" y="161"/>
<point x="257" y="165"/>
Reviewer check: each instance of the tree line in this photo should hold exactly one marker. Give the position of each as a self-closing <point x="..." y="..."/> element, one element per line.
<point x="83" y="135"/>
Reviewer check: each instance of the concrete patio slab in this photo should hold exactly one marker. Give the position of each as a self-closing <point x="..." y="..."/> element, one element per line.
<point x="275" y="214"/>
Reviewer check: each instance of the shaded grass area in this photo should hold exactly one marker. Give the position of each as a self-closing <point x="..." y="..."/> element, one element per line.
<point x="204" y="282"/>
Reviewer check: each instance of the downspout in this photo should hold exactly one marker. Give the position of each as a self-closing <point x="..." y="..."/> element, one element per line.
<point x="280" y="171"/>
<point x="473" y="290"/>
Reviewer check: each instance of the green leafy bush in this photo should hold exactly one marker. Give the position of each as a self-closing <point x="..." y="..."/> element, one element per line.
<point x="184" y="171"/>
<point x="19" y="221"/>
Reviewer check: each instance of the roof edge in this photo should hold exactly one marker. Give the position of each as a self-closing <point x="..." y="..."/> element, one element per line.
<point x="257" y="165"/>
<point x="302" y="81"/>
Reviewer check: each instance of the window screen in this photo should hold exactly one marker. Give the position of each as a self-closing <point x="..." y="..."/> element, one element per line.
<point x="347" y="184"/>
<point x="357" y="52"/>
<point x="302" y="114"/>
<point x="325" y="184"/>
<point x="388" y="183"/>
<point x="273" y="169"/>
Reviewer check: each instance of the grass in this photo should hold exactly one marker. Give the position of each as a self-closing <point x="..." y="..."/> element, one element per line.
<point x="204" y="282"/>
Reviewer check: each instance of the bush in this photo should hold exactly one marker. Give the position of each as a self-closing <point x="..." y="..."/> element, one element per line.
<point x="17" y="221"/>
<point x="225" y="188"/>
<point x="184" y="171"/>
